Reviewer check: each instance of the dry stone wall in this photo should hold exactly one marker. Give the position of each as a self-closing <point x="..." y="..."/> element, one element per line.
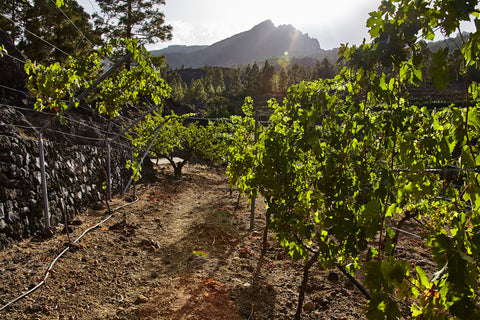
<point x="74" y="174"/>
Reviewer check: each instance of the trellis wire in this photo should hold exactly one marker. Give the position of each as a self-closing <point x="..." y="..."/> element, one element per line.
<point x="70" y="119"/>
<point x="62" y="132"/>
<point x="444" y="169"/>
<point x="49" y="122"/>
<point x="144" y="155"/>
<point x="82" y="123"/>
<point x="15" y="90"/>
<point x="406" y="232"/>
<point x="109" y="169"/>
<point x="14" y="58"/>
<point x="38" y="37"/>
<point x="93" y="7"/>
<point x="99" y="115"/>
<point x="73" y="24"/>
<point x="19" y="126"/>
<point x="87" y="91"/>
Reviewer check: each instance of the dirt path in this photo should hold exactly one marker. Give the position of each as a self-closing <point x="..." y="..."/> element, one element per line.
<point x="182" y="251"/>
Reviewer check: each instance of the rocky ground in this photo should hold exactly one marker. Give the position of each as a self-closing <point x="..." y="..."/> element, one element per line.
<point x="183" y="251"/>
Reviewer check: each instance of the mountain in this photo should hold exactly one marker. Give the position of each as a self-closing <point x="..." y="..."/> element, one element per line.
<point x="262" y="42"/>
<point x="177" y="49"/>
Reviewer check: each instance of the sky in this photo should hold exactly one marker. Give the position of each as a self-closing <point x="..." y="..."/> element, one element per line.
<point x="331" y="22"/>
<point x="204" y="22"/>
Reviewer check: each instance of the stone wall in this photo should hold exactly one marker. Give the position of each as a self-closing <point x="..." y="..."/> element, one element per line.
<point x="74" y="173"/>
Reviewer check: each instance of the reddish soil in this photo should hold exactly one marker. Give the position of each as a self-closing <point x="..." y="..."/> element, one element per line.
<point x="183" y="251"/>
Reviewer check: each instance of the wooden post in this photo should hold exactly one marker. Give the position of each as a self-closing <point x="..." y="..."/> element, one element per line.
<point x="82" y="95"/>
<point x="46" y="210"/>
<point x="109" y="172"/>
<point x="252" y="209"/>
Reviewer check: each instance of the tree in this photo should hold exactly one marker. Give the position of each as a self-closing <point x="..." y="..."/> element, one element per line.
<point x="209" y="88"/>
<point x="12" y="17"/>
<point x="324" y="70"/>
<point x="177" y="139"/>
<point x="215" y="76"/>
<point x="178" y="86"/>
<point x="251" y="79"/>
<point x="297" y="73"/>
<point x="218" y="107"/>
<point x="133" y="19"/>
<point x="283" y="81"/>
<point x="236" y="88"/>
<point x="196" y="92"/>
<point x="47" y="21"/>
<point x="267" y="75"/>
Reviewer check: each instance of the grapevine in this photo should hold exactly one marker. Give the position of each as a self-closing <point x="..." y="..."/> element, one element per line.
<point x="56" y="86"/>
<point x="345" y="162"/>
<point x="178" y="139"/>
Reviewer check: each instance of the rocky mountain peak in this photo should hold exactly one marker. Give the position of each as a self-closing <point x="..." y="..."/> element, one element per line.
<point x="261" y="42"/>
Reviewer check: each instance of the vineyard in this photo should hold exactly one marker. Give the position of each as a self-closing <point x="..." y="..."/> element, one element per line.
<point x="184" y="251"/>
<point x="363" y="204"/>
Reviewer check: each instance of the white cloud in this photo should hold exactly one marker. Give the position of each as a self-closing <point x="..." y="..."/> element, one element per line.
<point x="203" y="33"/>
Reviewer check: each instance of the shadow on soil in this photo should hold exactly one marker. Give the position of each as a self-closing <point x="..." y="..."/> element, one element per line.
<point x="208" y="251"/>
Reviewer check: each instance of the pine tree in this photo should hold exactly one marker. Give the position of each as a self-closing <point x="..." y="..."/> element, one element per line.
<point x="324" y="70"/>
<point x="129" y="19"/>
<point x="236" y="87"/>
<point x="268" y="72"/>
<point x="298" y="73"/>
<point x="218" y="80"/>
<point x="196" y="92"/>
<point x="283" y="81"/>
<point x="176" y="83"/>
<point x="44" y="19"/>
<point x="12" y="17"/>
<point x="252" y="79"/>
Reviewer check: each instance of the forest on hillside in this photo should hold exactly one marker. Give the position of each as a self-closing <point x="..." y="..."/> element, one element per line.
<point x="217" y="92"/>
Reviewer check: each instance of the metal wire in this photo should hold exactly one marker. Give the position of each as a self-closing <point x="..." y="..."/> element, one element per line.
<point x="33" y="34"/>
<point x="19" y="126"/>
<point x="15" y="58"/>
<point x="73" y="24"/>
<point x="93" y="7"/>
<point x="13" y="89"/>
<point x="82" y="123"/>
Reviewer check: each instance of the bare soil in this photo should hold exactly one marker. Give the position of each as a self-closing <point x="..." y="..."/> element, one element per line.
<point x="182" y="251"/>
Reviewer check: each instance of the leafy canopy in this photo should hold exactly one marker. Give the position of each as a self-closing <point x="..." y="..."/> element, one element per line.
<point x="345" y="162"/>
